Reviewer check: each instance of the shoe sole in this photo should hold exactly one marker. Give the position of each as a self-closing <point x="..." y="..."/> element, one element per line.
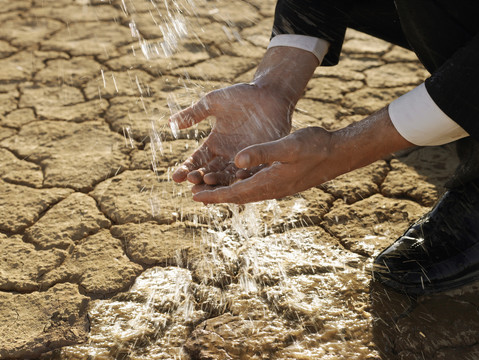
<point x="428" y="288"/>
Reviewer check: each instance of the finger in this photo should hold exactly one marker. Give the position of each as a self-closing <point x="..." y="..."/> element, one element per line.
<point x="220" y="178"/>
<point x="179" y="175"/>
<point x="219" y="195"/>
<point x="266" y="153"/>
<point x="197" y="160"/>
<point x="242" y="174"/>
<point x="192" y="114"/>
<point x="201" y="187"/>
<point x="224" y="177"/>
<point x="197" y="176"/>
<point x="261" y="186"/>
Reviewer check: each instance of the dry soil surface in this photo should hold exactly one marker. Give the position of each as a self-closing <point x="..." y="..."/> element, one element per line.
<point x="103" y="257"/>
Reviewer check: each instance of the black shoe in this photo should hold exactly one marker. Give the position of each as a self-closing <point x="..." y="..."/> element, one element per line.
<point x="440" y="251"/>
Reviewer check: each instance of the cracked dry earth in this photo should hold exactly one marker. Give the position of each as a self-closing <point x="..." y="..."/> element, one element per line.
<point x="103" y="257"/>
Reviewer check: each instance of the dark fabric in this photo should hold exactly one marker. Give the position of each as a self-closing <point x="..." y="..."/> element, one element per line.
<point x="446" y="40"/>
<point x="436" y="31"/>
<point x="454" y="87"/>
<point x="468" y="168"/>
<point x="443" y="33"/>
<point x="329" y="19"/>
<point x="325" y="20"/>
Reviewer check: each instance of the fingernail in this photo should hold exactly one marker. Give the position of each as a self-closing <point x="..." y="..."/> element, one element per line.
<point x="243" y="160"/>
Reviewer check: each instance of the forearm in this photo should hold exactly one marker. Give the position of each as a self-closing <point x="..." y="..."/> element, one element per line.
<point x="285" y="71"/>
<point x="365" y="142"/>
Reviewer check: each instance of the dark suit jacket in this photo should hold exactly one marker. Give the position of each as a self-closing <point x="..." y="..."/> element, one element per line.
<point x="444" y="35"/>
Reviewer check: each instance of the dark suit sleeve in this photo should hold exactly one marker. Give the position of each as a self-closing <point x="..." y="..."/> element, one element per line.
<point x="454" y="87"/>
<point x="321" y="19"/>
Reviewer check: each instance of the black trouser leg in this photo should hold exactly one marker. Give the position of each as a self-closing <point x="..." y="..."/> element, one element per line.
<point x="468" y="168"/>
<point x="437" y="29"/>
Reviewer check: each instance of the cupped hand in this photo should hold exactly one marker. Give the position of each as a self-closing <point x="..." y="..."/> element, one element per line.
<point x="296" y="162"/>
<point x="307" y="158"/>
<point x="246" y="114"/>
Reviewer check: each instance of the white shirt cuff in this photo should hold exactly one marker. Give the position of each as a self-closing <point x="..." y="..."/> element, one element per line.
<point x="318" y="47"/>
<point x="420" y="121"/>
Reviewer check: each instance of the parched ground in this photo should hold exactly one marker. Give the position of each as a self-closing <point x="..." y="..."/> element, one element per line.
<point x="103" y="257"/>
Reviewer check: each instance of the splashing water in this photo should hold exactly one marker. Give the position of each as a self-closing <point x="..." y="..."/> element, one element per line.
<point x="172" y="26"/>
<point x="240" y="270"/>
<point x="256" y="262"/>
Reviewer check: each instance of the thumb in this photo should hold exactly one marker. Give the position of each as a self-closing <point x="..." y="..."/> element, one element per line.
<point x="266" y="153"/>
<point x="191" y="115"/>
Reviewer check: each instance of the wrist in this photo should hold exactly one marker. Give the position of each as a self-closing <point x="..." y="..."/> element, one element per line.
<point x="285" y="72"/>
<point x="366" y="141"/>
<point x="317" y="46"/>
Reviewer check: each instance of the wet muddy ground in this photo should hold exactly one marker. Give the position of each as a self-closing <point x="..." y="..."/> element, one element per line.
<point x="103" y="257"/>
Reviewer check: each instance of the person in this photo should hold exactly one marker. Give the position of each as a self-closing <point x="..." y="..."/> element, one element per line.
<point x="250" y="154"/>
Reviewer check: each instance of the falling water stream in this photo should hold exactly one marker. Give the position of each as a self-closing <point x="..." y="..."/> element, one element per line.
<point x="260" y="284"/>
<point x="294" y="294"/>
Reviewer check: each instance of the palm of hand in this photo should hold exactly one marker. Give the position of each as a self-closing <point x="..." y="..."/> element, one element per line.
<point x="245" y="115"/>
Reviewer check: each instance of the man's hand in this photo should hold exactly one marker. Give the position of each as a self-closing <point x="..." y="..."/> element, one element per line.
<point x="290" y="166"/>
<point x="246" y="114"/>
<point x="307" y="158"/>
